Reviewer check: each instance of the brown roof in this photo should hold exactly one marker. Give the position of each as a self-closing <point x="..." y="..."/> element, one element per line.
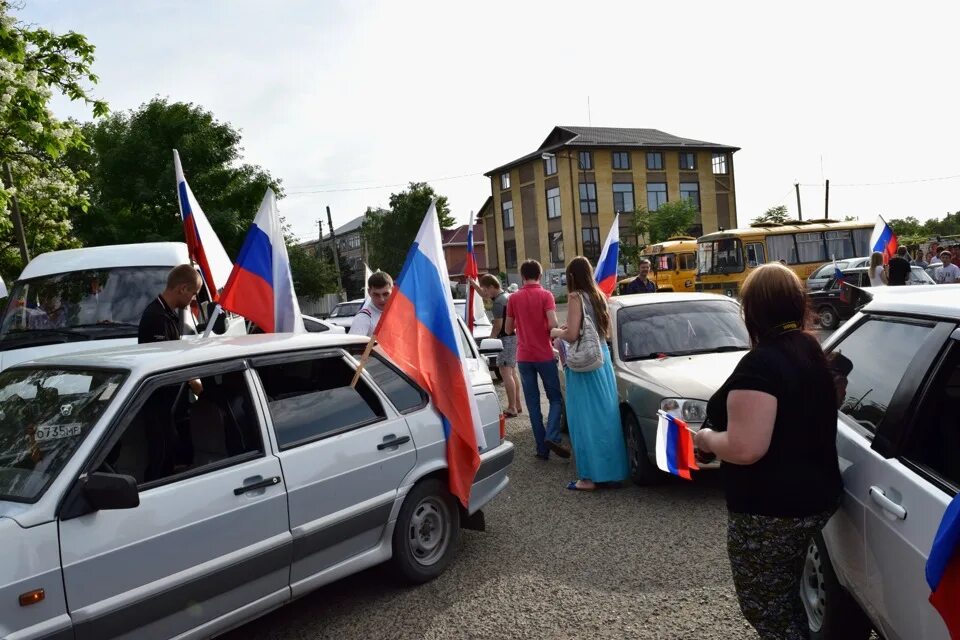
<point x="458" y="235"/>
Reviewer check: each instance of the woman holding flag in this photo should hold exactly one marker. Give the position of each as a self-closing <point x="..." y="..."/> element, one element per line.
<point x="593" y="414"/>
<point x="774" y="427"/>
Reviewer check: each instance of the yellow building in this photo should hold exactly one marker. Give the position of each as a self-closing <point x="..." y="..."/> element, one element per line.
<point x="560" y="200"/>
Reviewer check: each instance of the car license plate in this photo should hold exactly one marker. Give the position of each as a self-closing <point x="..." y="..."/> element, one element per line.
<point x="56" y="431"/>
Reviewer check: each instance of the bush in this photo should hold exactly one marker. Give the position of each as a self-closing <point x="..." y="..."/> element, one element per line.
<point x="561" y="299"/>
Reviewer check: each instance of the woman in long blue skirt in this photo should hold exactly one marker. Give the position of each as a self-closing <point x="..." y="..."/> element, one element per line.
<point x="593" y="413"/>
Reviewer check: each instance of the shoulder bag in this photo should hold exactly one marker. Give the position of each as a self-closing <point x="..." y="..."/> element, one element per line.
<point x="586" y="354"/>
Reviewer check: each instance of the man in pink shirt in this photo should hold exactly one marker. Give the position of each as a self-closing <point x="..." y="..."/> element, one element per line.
<point x="531" y="313"/>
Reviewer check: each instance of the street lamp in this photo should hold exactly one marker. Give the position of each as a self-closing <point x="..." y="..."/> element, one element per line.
<point x="583" y="180"/>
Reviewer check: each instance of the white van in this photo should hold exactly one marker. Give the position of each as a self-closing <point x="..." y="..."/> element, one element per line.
<point x="84" y="299"/>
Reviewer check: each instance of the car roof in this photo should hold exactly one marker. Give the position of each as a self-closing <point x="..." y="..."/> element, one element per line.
<point x="146" y="254"/>
<point x="654" y="298"/>
<point x="160" y="356"/>
<point x="942" y="300"/>
<point x="354" y="301"/>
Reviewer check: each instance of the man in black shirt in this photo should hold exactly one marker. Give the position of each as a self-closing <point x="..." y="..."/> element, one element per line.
<point x="161" y="319"/>
<point x="898" y="269"/>
<point x="641" y="284"/>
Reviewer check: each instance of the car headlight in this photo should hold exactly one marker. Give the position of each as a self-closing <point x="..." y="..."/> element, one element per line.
<point x="685" y="408"/>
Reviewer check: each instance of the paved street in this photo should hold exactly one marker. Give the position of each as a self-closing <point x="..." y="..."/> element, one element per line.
<point x="633" y="562"/>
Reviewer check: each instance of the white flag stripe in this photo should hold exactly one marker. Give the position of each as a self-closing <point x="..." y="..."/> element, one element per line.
<point x="661" y="445"/>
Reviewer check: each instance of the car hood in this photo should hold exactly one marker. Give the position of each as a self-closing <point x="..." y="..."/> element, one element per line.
<point x="696" y="376"/>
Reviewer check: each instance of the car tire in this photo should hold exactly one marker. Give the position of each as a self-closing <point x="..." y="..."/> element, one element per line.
<point x="832" y="613"/>
<point x="828" y="317"/>
<point x="427" y="532"/>
<point x="642" y="471"/>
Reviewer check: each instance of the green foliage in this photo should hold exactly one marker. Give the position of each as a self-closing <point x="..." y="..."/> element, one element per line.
<point x="911" y="232"/>
<point x="132" y="184"/>
<point x="390" y="232"/>
<point x="773" y="214"/>
<point x="34" y="65"/>
<point x="313" y="275"/>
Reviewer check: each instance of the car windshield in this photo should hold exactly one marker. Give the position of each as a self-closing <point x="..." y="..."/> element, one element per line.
<point x="680" y="328"/>
<point x="481" y="316"/>
<point x="720" y="256"/>
<point x="44" y="416"/>
<point x="346" y="309"/>
<point x="919" y="276"/>
<point x="77" y="302"/>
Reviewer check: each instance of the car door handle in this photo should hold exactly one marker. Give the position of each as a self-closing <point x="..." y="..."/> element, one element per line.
<point x="262" y="484"/>
<point x="391" y="441"/>
<point x="888" y="505"/>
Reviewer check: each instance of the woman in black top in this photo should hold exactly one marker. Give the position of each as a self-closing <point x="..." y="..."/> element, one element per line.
<point x="773" y="424"/>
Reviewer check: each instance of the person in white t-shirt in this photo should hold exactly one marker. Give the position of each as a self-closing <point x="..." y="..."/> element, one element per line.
<point x="878" y="277"/>
<point x="379" y="288"/>
<point x="949" y="273"/>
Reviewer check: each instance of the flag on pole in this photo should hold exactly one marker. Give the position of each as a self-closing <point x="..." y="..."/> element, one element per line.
<point x="203" y="245"/>
<point x="943" y="569"/>
<point x="260" y="287"/>
<point x="606" y="272"/>
<point x="418" y="330"/>
<point x="883" y="239"/>
<point x="841" y="283"/>
<point x="470" y="271"/>
<point x="674" y="446"/>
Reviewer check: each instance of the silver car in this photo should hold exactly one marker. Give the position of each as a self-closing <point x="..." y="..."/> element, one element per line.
<point x="822" y="276"/>
<point x="899" y="448"/>
<point x="134" y="504"/>
<point x="670" y="351"/>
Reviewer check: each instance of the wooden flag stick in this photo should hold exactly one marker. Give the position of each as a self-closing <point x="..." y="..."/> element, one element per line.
<point x="363" y="360"/>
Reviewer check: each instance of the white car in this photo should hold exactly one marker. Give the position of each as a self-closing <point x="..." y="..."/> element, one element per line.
<point x="343" y="314"/>
<point x="898" y="439"/>
<point x="316" y="325"/>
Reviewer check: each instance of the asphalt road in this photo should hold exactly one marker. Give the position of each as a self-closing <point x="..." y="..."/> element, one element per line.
<point x="637" y="562"/>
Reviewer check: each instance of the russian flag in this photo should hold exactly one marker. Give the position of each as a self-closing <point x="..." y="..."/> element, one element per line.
<point x="260" y="287"/>
<point x="418" y="330"/>
<point x="943" y="569"/>
<point x="674" y="446"/>
<point x="883" y="239"/>
<point x="605" y="274"/>
<point x="203" y="245"/>
<point x="470" y="270"/>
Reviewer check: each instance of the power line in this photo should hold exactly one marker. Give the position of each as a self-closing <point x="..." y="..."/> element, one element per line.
<point x="883" y="184"/>
<point x="382" y="186"/>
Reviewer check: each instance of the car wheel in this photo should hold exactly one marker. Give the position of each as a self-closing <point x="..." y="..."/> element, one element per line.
<point x="829" y="318"/>
<point x="831" y="611"/>
<point x="426" y="534"/>
<point x="642" y="471"/>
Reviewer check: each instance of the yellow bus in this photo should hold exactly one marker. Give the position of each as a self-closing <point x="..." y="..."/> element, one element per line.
<point x="673" y="263"/>
<point x="726" y="257"/>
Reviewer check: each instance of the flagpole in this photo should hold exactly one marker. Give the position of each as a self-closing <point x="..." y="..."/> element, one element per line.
<point x="363" y="360"/>
<point x="217" y="310"/>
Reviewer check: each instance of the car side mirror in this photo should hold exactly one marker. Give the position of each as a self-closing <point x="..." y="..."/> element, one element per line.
<point x="491" y="345"/>
<point x="111" y="491"/>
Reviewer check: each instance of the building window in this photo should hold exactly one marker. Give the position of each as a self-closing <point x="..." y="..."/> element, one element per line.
<point x="720" y="164"/>
<point x="621" y="160"/>
<point x="688" y="161"/>
<point x="654" y="161"/>
<point x="504" y="181"/>
<point x="656" y="195"/>
<point x="553" y="202"/>
<point x="591" y="242"/>
<point x="507" y="215"/>
<point x="690" y="190"/>
<point x="586" y="160"/>
<point x="588" y="197"/>
<point x="623" y="198"/>
<point x="550" y="165"/>
<point x="556" y="247"/>
<point x="510" y="254"/>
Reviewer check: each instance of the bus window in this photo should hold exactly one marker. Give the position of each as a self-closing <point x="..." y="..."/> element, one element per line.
<point x="810" y="247"/>
<point x="782" y="247"/>
<point x="688" y="261"/>
<point x="755" y="254"/>
<point x="719" y="256"/>
<point x="839" y="245"/>
<point x="861" y="242"/>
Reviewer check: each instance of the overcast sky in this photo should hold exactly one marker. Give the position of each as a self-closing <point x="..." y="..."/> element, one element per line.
<point x="347" y="101"/>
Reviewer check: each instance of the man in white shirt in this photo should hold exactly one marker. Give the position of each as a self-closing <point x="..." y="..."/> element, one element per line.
<point x="949" y="273"/>
<point x="379" y="288"/>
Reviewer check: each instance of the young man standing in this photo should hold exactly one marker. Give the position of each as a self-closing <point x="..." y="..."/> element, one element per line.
<point x="379" y="288"/>
<point x="949" y="273"/>
<point x="898" y="270"/>
<point x="489" y="287"/>
<point x="531" y="313"/>
<point x="641" y="284"/>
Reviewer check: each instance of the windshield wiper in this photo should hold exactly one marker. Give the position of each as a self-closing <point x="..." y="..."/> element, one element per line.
<point x="650" y="356"/>
<point x="723" y="349"/>
<point x="105" y="324"/>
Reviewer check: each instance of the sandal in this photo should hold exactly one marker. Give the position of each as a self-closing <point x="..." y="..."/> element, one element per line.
<point x="509" y="414"/>
<point x="573" y="487"/>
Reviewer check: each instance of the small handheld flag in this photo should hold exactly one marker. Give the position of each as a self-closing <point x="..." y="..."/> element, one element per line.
<point x="203" y="245"/>
<point x="943" y="569"/>
<point x="605" y="274"/>
<point x="883" y="239"/>
<point x="260" y="287"/>
<point x="674" y="446"/>
<point x="470" y="271"/>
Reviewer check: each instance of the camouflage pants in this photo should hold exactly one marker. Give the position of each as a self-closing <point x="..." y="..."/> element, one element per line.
<point x="766" y="556"/>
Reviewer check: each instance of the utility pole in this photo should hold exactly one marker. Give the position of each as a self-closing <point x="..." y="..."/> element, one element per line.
<point x="796" y="185"/>
<point x="15" y="214"/>
<point x="336" y="256"/>
<point x="826" y="202"/>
